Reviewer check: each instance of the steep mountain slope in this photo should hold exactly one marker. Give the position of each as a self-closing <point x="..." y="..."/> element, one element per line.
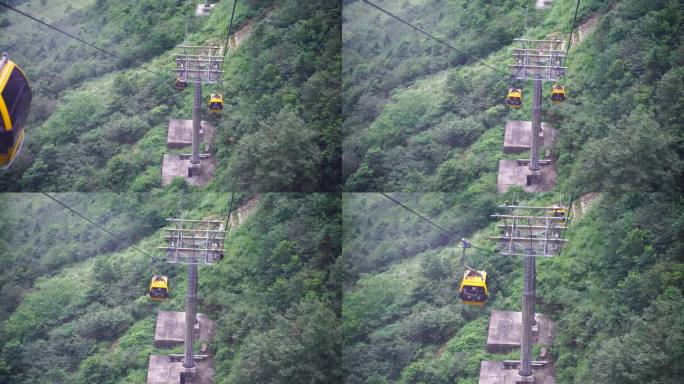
<point x="90" y="319"/>
<point x="439" y="126"/>
<point x="106" y="129"/>
<point x="410" y="104"/>
<point x="615" y="291"/>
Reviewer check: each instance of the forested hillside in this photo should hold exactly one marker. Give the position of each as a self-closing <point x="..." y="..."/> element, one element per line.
<point x="75" y="305"/>
<point x="412" y="104"/>
<point x="87" y="318"/>
<point x="615" y="291"/>
<point x="419" y="117"/>
<point x="99" y="123"/>
<point x="338" y="287"/>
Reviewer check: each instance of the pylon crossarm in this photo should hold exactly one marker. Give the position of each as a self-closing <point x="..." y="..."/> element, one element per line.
<point x="195" y="221"/>
<point x="531" y="227"/>
<point x="529" y="217"/>
<point x="535" y="239"/>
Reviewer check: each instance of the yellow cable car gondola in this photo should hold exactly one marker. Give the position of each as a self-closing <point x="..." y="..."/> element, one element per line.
<point x="559" y="211"/>
<point x="15" y="102"/>
<point x="557" y="94"/>
<point x="181" y="84"/>
<point x="216" y="103"/>
<point x="514" y="99"/>
<point x="159" y="288"/>
<point x="473" y="289"/>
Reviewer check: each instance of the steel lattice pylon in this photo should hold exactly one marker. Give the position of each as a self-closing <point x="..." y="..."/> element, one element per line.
<point x="193" y="242"/>
<point x="198" y="65"/>
<point x="537" y="60"/>
<point x="530" y="232"/>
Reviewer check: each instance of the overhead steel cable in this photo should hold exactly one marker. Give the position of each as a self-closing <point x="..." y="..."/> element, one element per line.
<point x="418" y="214"/>
<point x="449" y="233"/>
<point x="572" y="199"/>
<point x="441" y="41"/>
<point x="187" y="18"/>
<point x="225" y="47"/>
<point x="527" y="8"/>
<point x="225" y="226"/>
<point x="105" y="230"/>
<point x="109" y="53"/>
<point x="230" y="28"/>
<point x="572" y="29"/>
<point x="562" y="17"/>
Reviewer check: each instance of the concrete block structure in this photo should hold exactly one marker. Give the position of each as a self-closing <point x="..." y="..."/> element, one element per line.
<point x="170" y="332"/>
<point x="164" y="369"/>
<point x="504" y="331"/>
<point x="178" y="165"/>
<point x="514" y="172"/>
<point x="204" y="10"/>
<point x="179" y="134"/>
<point x="517" y="136"/>
<point x="170" y="329"/>
<point x="543" y="4"/>
<point x="506" y="372"/>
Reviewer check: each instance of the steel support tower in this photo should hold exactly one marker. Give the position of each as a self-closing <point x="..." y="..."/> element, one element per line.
<point x="529" y="232"/>
<point x="193" y="242"/>
<point x="199" y="65"/>
<point x="539" y="61"/>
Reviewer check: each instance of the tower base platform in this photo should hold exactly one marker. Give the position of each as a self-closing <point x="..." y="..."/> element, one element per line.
<point x="506" y="372"/>
<point x="518" y="136"/>
<point x="170" y="329"/>
<point x="505" y="331"/>
<point x="543" y="4"/>
<point x="515" y="172"/>
<point x="179" y="134"/>
<point x="201" y="10"/>
<point x="178" y="166"/>
<point x="164" y="369"/>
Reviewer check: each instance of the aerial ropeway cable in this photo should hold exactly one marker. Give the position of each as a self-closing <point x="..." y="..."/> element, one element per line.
<point x="159" y="287"/>
<point x="473" y="288"/>
<point x="106" y="52"/>
<point x="568" y="221"/>
<point x="230" y="28"/>
<point x="215" y="104"/>
<point x="474" y="285"/>
<point x="441" y="41"/>
<point x="98" y="226"/>
<point x="448" y="233"/>
<point x="514" y="95"/>
<point x="572" y="30"/>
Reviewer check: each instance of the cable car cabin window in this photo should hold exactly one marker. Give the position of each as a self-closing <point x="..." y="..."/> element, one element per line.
<point x="470" y="293"/>
<point x="159" y="292"/>
<point x="17" y="96"/>
<point x="473" y="290"/>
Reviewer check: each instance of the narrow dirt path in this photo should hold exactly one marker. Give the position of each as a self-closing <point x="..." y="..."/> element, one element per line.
<point x="585" y="28"/>
<point x="584" y="204"/>
<point x="241" y="34"/>
<point x="587" y="200"/>
<point x="243" y="212"/>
